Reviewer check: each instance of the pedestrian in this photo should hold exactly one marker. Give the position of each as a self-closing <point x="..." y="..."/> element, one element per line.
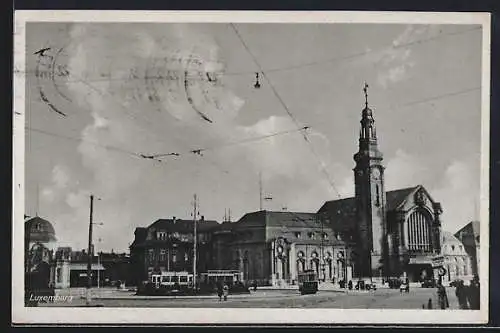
<point x="219" y="291"/>
<point x="473" y="294"/>
<point x="442" y="296"/>
<point x="226" y="291"/>
<point x="254" y="285"/>
<point x="461" y="293"/>
<point x="350" y="284"/>
<point x="407" y="285"/>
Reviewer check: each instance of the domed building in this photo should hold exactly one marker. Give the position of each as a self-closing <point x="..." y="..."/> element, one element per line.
<point x="457" y="262"/>
<point x="39" y="245"/>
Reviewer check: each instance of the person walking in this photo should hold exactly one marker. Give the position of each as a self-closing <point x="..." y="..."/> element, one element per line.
<point x="461" y="293"/>
<point x="473" y="294"/>
<point x="442" y="296"/>
<point x="226" y="291"/>
<point x="219" y="291"/>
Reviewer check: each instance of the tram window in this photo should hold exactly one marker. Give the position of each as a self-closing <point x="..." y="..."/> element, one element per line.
<point x="174" y="279"/>
<point x="165" y="279"/>
<point x="183" y="279"/>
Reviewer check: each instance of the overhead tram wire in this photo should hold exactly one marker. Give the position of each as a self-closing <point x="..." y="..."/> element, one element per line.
<point x="125" y="108"/>
<point x="285" y="107"/>
<point x="70" y="138"/>
<point x="199" y="151"/>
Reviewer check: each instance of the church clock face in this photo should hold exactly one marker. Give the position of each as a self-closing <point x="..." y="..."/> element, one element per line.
<point x="376" y="173"/>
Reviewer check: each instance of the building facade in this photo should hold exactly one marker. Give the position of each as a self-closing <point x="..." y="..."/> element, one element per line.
<point x="168" y="245"/>
<point x="270" y="248"/>
<point x="393" y="233"/>
<point x="457" y="262"/>
<point x="376" y="234"/>
<point x="470" y="238"/>
<point x="273" y="247"/>
<point x="39" y="244"/>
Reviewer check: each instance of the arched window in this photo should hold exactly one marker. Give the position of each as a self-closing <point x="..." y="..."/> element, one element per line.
<point x="300" y="262"/>
<point x="419" y="231"/>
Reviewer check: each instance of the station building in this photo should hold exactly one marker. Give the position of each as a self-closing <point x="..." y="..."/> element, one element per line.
<point x="375" y="234"/>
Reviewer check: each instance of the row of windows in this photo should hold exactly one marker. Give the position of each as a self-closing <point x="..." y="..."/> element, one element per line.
<point x="460" y="247"/>
<point x="311" y="235"/>
<point x="163" y="235"/>
<point x="457" y="270"/>
<point x="165" y="255"/>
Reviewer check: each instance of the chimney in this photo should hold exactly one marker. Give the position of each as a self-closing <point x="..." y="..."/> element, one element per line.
<point x="173" y="219"/>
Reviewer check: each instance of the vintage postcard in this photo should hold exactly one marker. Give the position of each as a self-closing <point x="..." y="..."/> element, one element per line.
<point x="251" y="167"/>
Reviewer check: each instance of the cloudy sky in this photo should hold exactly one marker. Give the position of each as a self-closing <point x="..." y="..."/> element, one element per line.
<point x="124" y="92"/>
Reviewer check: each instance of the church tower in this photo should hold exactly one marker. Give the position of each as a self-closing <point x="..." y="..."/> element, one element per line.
<point x="370" y="199"/>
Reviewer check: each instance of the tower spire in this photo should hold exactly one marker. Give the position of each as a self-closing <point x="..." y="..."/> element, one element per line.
<point x="365" y="90"/>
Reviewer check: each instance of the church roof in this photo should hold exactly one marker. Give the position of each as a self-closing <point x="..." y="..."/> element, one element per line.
<point x="345" y="209"/>
<point x="396" y="197"/>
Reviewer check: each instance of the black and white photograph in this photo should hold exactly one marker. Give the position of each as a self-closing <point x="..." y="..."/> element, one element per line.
<point x="245" y="167"/>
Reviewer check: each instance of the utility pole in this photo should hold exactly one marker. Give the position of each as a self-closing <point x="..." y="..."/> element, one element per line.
<point x="89" y="254"/>
<point x="195" y="239"/>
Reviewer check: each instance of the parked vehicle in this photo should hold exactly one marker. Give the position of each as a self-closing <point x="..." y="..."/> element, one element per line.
<point x="365" y="285"/>
<point x="394" y="283"/>
<point x="429" y="283"/>
<point x="308" y="282"/>
<point x="360" y="285"/>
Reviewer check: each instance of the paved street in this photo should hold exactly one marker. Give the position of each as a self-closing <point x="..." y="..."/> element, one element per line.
<point x="380" y="299"/>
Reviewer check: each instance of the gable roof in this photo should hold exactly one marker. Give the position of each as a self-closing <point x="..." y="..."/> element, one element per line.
<point x="345" y="209"/>
<point x="397" y="197"/>
<point x="471" y="227"/>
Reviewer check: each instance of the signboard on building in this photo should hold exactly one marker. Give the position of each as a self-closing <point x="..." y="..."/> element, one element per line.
<point x="438" y="261"/>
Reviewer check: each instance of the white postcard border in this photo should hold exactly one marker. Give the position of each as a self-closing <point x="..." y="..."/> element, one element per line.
<point x="27" y="315"/>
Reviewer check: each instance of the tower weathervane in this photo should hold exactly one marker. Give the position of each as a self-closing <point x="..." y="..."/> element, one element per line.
<point x="365" y="89"/>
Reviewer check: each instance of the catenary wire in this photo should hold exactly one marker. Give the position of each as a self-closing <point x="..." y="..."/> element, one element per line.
<point x="285" y="107"/>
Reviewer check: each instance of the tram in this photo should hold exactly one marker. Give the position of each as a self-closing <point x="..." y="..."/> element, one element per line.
<point x="308" y="282"/>
<point x="232" y="278"/>
<point x="174" y="281"/>
<point x="229" y="277"/>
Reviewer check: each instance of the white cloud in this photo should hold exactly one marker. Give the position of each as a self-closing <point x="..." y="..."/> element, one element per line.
<point x="459" y="194"/>
<point x="60" y="176"/>
<point x="404" y="170"/>
<point x="395" y="62"/>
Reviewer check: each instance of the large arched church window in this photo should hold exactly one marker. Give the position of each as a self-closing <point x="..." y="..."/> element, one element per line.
<point x="419" y="229"/>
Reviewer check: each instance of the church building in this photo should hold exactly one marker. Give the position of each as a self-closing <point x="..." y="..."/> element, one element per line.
<point x="394" y="233"/>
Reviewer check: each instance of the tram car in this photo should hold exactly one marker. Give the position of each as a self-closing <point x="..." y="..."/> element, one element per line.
<point x="308" y="282"/>
<point x="173" y="281"/>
